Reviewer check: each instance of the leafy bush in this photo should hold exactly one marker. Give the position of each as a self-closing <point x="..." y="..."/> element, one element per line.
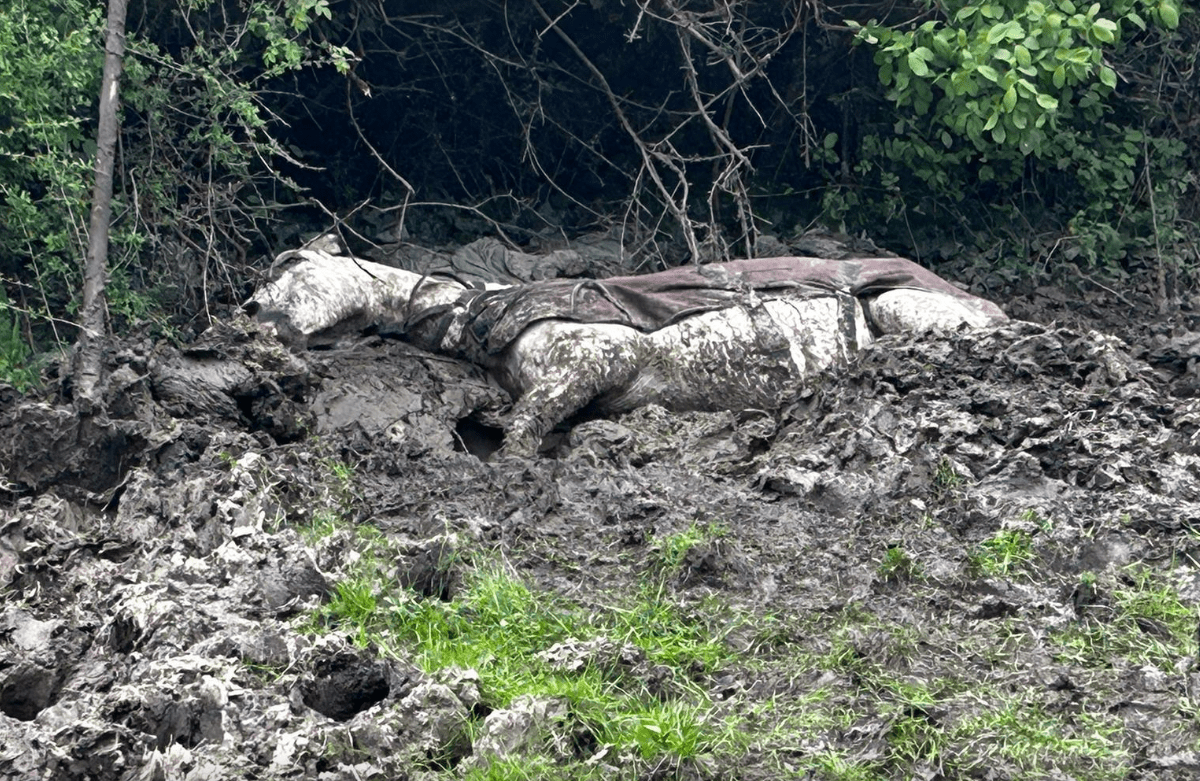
<point x="49" y="77"/>
<point x="1004" y="69"/>
<point x="195" y="176"/>
<point x="16" y="358"/>
<point x="1017" y="104"/>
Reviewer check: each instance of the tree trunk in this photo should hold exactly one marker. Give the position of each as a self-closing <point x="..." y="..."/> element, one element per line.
<point x="94" y="321"/>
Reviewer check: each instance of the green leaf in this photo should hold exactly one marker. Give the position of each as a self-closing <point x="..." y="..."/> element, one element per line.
<point x="1048" y="102"/>
<point x="962" y="83"/>
<point x="974" y="129"/>
<point x="1169" y="13"/>
<point x="1081" y="55"/>
<point x="1010" y="99"/>
<point x="943" y="43"/>
<point x="1101" y="33"/>
<point x="999" y="134"/>
<point x="989" y="73"/>
<point x="1023" y="57"/>
<point x="1108" y="77"/>
<point x="992" y="120"/>
<point x="917" y="63"/>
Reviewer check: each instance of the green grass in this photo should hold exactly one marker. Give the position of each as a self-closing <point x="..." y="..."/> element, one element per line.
<point x="1003" y="554"/>
<point x="674" y="728"/>
<point x="1032" y="739"/>
<point x="498" y="625"/>
<point x="946" y="479"/>
<point x="670" y="551"/>
<point x="323" y="523"/>
<point x="855" y="672"/>
<point x="534" y="768"/>
<point x="341" y="473"/>
<point x="930" y="711"/>
<point x="1146" y="623"/>
<point x="836" y="766"/>
<point x="960" y="732"/>
<point x="897" y="564"/>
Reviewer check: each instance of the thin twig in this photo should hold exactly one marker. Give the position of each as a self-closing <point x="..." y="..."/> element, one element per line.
<point x="1162" y="269"/>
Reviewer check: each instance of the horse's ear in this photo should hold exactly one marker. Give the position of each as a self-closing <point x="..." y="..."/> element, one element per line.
<point x="282" y="262"/>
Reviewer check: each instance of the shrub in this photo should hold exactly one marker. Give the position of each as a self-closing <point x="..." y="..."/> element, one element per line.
<point x="1020" y="106"/>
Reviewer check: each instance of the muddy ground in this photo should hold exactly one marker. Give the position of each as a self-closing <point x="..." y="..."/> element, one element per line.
<point x="973" y="556"/>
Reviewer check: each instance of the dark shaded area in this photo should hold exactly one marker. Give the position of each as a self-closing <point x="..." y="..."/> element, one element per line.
<point x="477" y="438"/>
<point x="492" y="104"/>
<point x="25" y="693"/>
<point x="46" y="445"/>
<point x="344" y="685"/>
<point x="432" y="568"/>
<point x="483" y="102"/>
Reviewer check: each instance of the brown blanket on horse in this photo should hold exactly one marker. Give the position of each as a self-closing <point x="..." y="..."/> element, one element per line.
<point x="652" y="301"/>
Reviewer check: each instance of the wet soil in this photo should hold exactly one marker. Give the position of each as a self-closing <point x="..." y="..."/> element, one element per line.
<point x="157" y="573"/>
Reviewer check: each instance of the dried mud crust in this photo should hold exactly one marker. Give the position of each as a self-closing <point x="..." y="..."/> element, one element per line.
<point x="158" y="619"/>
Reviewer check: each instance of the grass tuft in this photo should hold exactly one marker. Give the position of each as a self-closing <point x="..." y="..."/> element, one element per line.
<point x="1002" y="554"/>
<point x="499" y="626"/>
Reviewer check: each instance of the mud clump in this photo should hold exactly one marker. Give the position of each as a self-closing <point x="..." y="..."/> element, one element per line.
<point x="948" y="540"/>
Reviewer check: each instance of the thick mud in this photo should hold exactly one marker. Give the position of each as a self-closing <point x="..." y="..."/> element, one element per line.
<point x="160" y="574"/>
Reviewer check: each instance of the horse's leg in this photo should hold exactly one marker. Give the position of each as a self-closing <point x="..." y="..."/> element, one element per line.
<point x="556" y="368"/>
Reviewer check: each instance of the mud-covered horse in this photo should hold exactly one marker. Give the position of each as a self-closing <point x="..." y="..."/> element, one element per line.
<point x="737" y="335"/>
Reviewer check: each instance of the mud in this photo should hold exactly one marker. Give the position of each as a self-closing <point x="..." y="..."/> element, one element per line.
<point x="159" y="584"/>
